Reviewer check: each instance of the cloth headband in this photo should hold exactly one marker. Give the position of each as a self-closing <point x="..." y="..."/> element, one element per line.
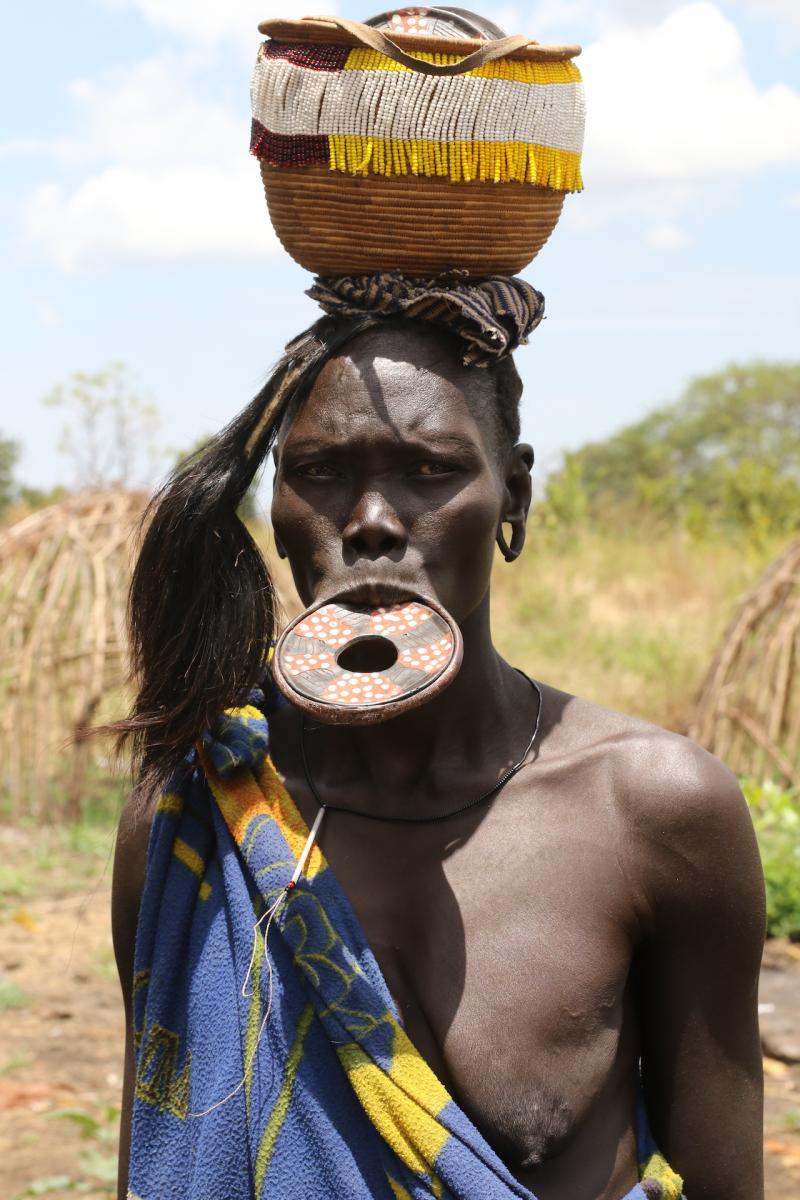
<point x="492" y="317"/>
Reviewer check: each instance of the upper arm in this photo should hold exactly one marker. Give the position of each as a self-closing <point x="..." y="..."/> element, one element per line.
<point x="696" y="974"/>
<point x="130" y="868"/>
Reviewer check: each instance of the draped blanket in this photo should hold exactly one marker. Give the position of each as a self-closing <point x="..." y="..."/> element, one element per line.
<point x="288" y="1075"/>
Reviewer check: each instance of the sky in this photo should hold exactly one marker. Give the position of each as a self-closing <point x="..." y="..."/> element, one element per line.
<point x="133" y="225"/>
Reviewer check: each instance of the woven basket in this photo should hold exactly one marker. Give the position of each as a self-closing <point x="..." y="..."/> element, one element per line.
<point x="419" y="154"/>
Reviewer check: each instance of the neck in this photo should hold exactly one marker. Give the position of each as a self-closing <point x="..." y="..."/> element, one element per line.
<point x="461" y="741"/>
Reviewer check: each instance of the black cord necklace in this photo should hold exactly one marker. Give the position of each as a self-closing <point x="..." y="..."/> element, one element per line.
<point x="504" y="778"/>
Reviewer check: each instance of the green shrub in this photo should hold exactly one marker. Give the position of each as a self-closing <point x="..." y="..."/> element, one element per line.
<point x="776" y="816"/>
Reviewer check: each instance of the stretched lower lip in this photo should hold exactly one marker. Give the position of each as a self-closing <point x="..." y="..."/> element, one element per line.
<point x="375" y="595"/>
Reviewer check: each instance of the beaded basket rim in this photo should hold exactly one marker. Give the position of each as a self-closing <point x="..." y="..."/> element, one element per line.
<point x="310" y="29"/>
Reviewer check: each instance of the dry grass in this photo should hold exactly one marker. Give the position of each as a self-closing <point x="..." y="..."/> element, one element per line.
<point x="628" y="622"/>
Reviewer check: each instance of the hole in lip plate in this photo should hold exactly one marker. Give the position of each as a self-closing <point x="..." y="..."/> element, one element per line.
<point x="368" y="655"/>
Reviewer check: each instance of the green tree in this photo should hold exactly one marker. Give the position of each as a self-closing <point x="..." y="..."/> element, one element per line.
<point x="727" y="455"/>
<point x="34" y="497"/>
<point x="9" y="454"/>
<point x="110" y="434"/>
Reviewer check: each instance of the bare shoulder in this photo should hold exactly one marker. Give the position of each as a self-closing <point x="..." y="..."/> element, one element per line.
<point x="658" y="777"/>
<point x="680" y="815"/>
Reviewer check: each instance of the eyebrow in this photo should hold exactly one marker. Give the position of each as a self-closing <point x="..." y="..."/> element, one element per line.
<point x="434" y="442"/>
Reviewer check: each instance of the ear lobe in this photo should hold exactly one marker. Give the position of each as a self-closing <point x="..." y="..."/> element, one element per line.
<point x="279" y="546"/>
<point x="512" y="550"/>
<point x="518" y="492"/>
<point x="518" y="487"/>
<point x="524" y="455"/>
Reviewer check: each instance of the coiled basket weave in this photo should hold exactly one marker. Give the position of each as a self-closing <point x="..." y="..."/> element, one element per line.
<point x="421" y="154"/>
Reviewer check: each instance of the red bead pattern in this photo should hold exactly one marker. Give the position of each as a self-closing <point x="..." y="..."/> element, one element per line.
<point x="353" y="688"/>
<point x="320" y="57"/>
<point x="430" y="659"/>
<point x="328" y="624"/>
<point x="287" y="150"/>
<point x="399" y="618"/>
<point x="411" y="20"/>
<point x="296" y="664"/>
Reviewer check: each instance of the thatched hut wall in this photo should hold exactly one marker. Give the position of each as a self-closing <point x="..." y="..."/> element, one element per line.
<point x="748" y="708"/>
<point x="64" y="575"/>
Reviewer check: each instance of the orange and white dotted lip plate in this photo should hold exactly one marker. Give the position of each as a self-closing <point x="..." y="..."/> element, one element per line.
<point x="308" y="652"/>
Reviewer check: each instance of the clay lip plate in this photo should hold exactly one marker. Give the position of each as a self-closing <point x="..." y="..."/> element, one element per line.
<point x="384" y="690"/>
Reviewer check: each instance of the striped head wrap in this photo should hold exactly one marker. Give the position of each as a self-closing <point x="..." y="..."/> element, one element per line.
<point x="492" y="316"/>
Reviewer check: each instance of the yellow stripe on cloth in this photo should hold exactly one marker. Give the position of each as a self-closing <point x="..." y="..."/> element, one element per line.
<point x="658" y="1169"/>
<point x="191" y="859"/>
<point x="500" y="162"/>
<point x="516" y="70"/>
<point x="398" y="1191"/>
<point x="278" y="1115"/>
<point x="170" y="802"/>
<point x="243" y="797"/>
<point x="402" y="1103"/>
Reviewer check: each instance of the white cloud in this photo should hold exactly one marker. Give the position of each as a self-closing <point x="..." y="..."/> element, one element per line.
<point x="155" y="114"/>
<point x="165" y="164"/>
<point x="166" y="174"/>
<point x="667" y="237"/>
<point x="588" y="18"/>
<point x="131" y="215"/>
<point x="793" y="200"/>
<point x="676" y="103"/>
<point x="212" y="21"/>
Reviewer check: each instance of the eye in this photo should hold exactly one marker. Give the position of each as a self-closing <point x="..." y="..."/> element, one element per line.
<point x="433" y="467"/>
<point x="317" y="471"/>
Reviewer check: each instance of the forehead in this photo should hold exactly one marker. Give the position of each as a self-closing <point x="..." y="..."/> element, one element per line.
<point x="389" y="383"/>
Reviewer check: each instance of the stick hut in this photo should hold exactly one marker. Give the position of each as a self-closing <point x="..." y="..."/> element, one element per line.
<point x="64" y="575"/>
<point x="748" y="708"/>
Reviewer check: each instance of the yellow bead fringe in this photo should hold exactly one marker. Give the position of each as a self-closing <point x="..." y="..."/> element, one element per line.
<point x="500" y="162"/>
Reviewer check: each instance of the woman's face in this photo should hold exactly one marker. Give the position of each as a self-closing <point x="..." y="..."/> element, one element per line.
<point x="386" y="485"/>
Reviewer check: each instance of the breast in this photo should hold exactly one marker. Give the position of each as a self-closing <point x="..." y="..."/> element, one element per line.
<point x="527" y="1042"/>
<point x="507" y="951"/>
<point x="525" y="1127"/>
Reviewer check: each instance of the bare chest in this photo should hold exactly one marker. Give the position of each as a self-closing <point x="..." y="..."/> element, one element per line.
<point x="506" y="949"/>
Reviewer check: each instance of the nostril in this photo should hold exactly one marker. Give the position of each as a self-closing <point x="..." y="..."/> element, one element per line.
<point x="367" y="655"/>
<point x="374" y="527"/>
<point x="372" y="542"/>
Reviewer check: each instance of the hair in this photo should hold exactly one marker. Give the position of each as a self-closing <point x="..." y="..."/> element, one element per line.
<point x="202" y="605"/>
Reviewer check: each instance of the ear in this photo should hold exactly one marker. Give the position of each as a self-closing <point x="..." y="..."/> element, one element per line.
<point x="516" y="501"/>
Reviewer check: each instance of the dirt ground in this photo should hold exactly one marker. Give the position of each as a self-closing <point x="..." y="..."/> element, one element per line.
<point x="61" y="1036"/>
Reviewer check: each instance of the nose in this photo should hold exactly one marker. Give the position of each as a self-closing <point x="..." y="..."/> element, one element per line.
<point x="374" y="528"/>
